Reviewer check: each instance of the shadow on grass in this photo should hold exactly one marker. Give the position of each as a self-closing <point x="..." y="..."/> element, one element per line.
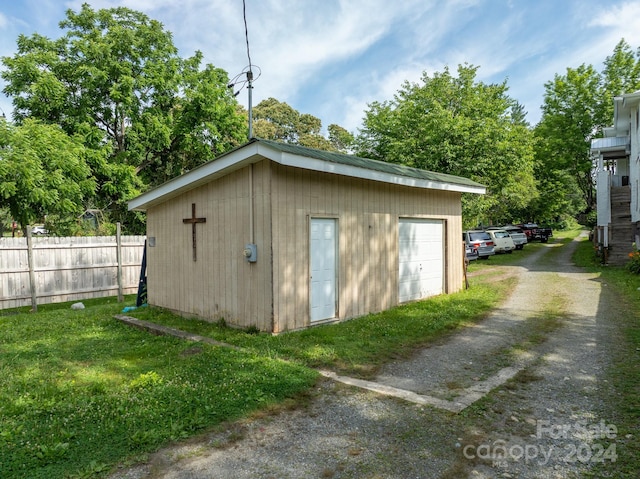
<point x="80" y="392"/>
<point x="362" y="345"/>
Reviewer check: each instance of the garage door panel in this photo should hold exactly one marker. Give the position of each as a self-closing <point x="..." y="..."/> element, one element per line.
<point x="421" y="258"/>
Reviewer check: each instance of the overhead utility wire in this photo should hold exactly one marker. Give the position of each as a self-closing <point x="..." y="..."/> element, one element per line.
<point x="246" y="30"/>
<point x="250" y="72"/>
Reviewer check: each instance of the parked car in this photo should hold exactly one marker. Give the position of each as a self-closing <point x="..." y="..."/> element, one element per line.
<point x="517" y="235"/>
<point x="544" y="233"/>
<point x="502" y="241"/>
<point x="470" y="253"/>
<point x="39" y="230"/>
<point x="480" y="241"/>
<point x="535" y="232"/>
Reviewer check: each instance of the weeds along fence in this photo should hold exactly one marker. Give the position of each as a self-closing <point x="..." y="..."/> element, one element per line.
<point x="56" y="269"/>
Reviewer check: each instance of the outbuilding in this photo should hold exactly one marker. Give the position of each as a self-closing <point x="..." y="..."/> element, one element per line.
<point x="280" y="237"/>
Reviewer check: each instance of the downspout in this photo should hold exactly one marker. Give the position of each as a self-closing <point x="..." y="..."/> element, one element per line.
<point x="251" y="230"/>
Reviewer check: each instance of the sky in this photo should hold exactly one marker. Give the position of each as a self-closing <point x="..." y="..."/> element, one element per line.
<point x="331" y="58"/>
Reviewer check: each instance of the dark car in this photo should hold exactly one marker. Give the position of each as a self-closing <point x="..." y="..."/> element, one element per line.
<point x="535" y="232"/>
<point x="480" y="241"/>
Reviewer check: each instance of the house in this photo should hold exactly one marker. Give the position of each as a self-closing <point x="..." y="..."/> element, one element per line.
<point x="617" y="177"/>
<point x="281" y="237"/>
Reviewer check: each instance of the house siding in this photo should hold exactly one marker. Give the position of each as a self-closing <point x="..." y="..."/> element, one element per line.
<point x="221" y="283"/>
<point x="367" y="214"/>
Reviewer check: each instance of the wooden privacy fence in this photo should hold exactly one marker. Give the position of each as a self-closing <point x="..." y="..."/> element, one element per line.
<point x="68" y="268"/>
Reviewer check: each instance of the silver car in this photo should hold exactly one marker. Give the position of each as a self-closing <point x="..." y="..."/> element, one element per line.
<point x="480" y="241"/>
<point x="39" y="230"/>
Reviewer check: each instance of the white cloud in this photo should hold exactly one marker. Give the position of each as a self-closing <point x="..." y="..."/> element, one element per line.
<point x="613" y="24"/>
<point x="332" y="57"/>
<point x="624" y="16"/>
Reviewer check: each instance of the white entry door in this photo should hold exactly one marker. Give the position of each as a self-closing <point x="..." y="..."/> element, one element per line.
<point x="323" y="247"/>
<point x="421" y="259"/>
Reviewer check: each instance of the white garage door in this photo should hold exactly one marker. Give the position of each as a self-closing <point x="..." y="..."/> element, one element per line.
<point x="421" y="249"/>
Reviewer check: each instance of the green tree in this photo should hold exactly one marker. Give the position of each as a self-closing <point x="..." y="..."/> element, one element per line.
<point x="203" y="122"/>
<point x="276" y="120"/>
<point x="577" y="105"/>
<point x="621" y="74"/>
<point x="43" y="171"/>
<point x="571" y="117"/>
<point x="340" y="138"/>
<point x="518" y="114"/>
<point x="115" y="78"/>
<point x="457" y="125"/>
<point x="5" y="220"/>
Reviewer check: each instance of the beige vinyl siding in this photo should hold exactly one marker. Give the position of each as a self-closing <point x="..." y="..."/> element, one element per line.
<point x="367" y="214"/>
<point x="273" y="294"/>
<point x="221" y="283"/>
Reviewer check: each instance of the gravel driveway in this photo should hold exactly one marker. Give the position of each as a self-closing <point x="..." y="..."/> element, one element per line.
<point x="550" y="338"/>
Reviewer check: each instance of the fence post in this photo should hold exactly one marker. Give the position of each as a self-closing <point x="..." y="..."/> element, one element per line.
<point x="119" y="258"/>
<point x="32" y="275"/>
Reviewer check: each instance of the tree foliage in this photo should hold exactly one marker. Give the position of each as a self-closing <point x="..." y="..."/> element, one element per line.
<point x="43" y="171"/>
<point x="569" y="122"/>
<point x="621" y="74"/>
<point x="278" y="121"/>
<point x="340" y="138"/>
<point x="115" y="79"/>
<point x="458" y="125"/>
<point x="577" y="105"/>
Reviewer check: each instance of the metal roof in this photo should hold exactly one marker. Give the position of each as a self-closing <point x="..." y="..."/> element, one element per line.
<point x="382" y="166"/>
<point x="307" y="158"/>
<point x="615" y="142"/>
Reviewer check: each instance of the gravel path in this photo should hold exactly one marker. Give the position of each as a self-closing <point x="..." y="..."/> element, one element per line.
<point x="536" y="425"/>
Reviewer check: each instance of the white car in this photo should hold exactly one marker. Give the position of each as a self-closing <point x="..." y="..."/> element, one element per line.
<point x="517" y="235"/>
<point x="502" y="241"/>
<point x="39" y="230"/>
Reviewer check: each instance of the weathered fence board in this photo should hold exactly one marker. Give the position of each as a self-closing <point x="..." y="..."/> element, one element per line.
<point x="67" y="268"/>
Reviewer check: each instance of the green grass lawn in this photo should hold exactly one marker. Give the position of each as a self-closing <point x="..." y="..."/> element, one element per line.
<point x="361" y="345"/>
<point x="80" y="392"/>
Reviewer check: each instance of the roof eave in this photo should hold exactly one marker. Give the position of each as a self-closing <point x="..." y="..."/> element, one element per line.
<point x="254" y="151"/>
<point x="288" y="159"/>
<point x="225" y="164"/>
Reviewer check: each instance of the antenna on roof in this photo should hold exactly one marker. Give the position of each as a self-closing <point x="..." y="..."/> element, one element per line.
<point x="246" y="78"/>
<point x="248" y="71"/>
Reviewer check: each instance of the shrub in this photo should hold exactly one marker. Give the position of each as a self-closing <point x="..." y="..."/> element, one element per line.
<point x="634" y="262"/>
<point x="591" y="219"/>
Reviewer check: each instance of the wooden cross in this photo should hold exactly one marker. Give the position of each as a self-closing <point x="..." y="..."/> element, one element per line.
<point x="193" y="221"/>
